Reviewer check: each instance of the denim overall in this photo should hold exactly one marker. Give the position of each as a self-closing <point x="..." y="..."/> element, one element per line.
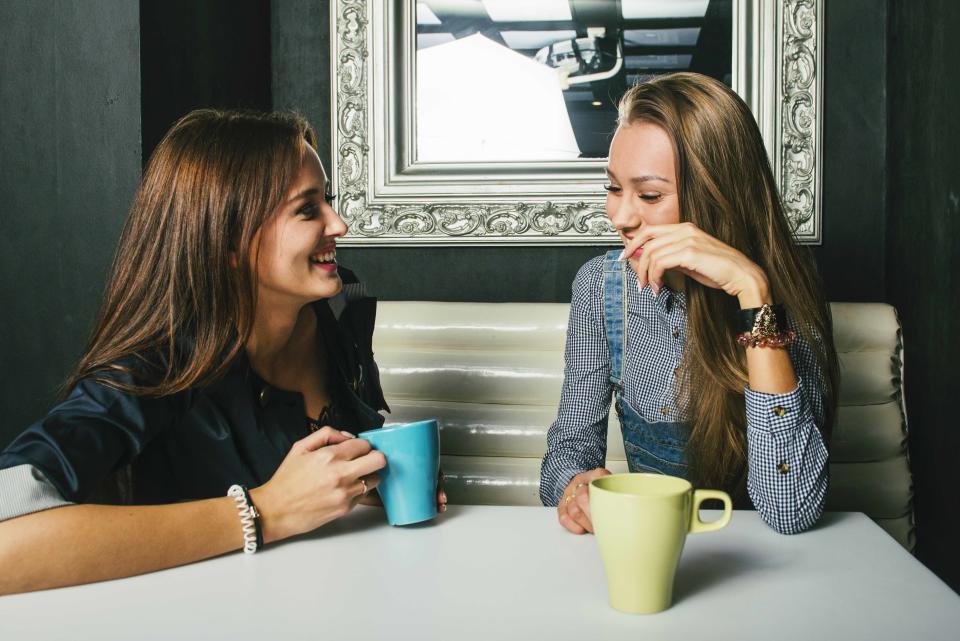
<point x="651" y="446"/>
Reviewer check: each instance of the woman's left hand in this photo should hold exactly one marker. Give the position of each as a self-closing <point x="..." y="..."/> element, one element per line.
<point x="374" y="499"/>
<point x="687" y="249"/>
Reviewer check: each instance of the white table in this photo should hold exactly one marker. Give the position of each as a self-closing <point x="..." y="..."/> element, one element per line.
<point x="498" y="573"/>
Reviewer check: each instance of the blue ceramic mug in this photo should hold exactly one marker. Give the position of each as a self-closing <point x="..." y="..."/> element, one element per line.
<point x="408" y="484"/>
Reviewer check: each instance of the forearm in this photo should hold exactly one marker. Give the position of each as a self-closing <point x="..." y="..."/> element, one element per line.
<point x="85" y="543"/>
<point x="768" y="370"/>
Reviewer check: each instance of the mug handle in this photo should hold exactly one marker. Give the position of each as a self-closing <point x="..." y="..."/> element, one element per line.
<point x="699" y="496"/>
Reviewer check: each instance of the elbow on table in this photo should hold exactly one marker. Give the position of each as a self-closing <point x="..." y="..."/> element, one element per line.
<point x="791" y="521"/>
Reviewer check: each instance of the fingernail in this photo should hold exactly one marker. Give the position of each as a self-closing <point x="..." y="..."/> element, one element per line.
<point x="347" y="434"/>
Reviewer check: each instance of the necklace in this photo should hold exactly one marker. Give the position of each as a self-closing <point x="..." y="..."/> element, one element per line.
<point x="325" y="418"/>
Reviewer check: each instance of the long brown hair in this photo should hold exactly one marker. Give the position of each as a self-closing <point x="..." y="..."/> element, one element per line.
<point x="727" y="189"/>
<point x="175" y="309"/>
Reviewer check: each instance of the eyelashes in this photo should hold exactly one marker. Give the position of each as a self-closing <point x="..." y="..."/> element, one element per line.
<point x="310" y="209"/>
<point x="650" y="198"/>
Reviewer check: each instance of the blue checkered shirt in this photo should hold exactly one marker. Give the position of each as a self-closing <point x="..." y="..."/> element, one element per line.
<point x="787" y="471"/>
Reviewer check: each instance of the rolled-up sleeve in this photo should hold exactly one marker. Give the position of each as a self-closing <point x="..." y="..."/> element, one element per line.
<point x="787" y="472"/>
<point x="75" y="447"/>
<point x="577" y="440"/>
<point x="24" y="490"/>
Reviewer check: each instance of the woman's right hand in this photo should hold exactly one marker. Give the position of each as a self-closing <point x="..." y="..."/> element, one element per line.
<point x="573" y="511"/>
<point x="318" y="481"/>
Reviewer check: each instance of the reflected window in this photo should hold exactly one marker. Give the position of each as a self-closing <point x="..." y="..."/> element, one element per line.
<point x="502" y="80"/>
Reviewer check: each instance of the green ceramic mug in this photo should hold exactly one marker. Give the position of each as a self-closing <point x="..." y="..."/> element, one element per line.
<point x="641" y="522"/>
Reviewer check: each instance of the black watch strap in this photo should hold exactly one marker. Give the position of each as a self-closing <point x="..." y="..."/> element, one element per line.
<point x="772" y="320"/>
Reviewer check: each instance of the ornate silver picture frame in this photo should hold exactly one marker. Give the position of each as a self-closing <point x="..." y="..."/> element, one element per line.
<point x="389" y="198"/>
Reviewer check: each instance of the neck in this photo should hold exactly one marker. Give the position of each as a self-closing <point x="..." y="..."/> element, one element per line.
<point x="282" y="336"/>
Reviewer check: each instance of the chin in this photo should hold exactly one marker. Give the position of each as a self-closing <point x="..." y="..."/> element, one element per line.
<point x="330" y="289"/>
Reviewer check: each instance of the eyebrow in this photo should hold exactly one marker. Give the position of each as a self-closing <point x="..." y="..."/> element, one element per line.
<point x="640" y="179"/>
<point x="306" y="193"/>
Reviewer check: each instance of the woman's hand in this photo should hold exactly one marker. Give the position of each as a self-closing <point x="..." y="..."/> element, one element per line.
<point x="322" y="478"/>
<point x="573" y="511"/>
<point x="374" y="497"/>
<point x="687" y="249"/>
<point x="441" y="494"/>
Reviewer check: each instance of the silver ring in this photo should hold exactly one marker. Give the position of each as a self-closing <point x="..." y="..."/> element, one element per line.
<point x="364" y="483"/>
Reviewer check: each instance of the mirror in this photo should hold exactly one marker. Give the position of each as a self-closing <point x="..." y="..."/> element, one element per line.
<point x="488" y="121"/>
<point x="540" y="80"/>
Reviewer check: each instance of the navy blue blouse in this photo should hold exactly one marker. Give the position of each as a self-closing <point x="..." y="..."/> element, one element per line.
<point x="196" y="444"/>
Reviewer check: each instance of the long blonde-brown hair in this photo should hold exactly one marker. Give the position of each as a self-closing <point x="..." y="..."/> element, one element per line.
<point x="175" y="305"/>
<point x="727" y="189"/>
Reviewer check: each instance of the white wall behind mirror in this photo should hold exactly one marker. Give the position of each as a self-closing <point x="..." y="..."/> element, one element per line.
<point x="488" y="121"/>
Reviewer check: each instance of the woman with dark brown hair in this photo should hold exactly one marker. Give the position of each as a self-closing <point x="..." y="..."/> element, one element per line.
<point x="231" y="356"/>
<point x="708" y="329"/>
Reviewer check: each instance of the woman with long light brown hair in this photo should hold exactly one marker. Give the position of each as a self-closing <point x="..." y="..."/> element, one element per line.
<point x="708" y="330"/>
<point x="232" y="355"/>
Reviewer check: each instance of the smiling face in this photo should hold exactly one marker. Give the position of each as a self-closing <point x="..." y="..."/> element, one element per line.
<point x="643" y="181"/>
<point x="297" y="243"/>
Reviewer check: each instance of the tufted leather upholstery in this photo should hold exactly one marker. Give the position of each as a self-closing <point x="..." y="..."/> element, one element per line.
<point x="491" y="373"/>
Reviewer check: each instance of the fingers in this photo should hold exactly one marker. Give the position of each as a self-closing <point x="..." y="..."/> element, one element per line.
<point x="568" y="522"/>
<point x="321" y="438"/>
<point x="571" y="506"/>
<point x="664" y="258"/>
<point x="367" y="483"/>
<point x="651" y="248"/>
<point x="369" y="463"/>
<point x="372" y="499"/>
<point x="350" y="449"/>
<point x="573" y="512"/>
<point x="634" y="245"/>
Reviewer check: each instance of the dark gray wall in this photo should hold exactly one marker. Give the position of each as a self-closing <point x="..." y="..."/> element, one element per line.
<point x="69" y="166"/>
<point x="923" y="255"/>
<point x="851" y="258"/>
<point x="213" y="53"/>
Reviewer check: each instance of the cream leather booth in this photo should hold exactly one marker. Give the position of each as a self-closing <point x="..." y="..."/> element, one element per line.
<point x="491" y="373"/>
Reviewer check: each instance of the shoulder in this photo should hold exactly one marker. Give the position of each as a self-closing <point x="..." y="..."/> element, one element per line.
<point x="589" y="279"/>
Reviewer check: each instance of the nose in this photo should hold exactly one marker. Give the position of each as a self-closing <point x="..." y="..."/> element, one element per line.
<point x="334" y="225"/>
<point x="623" y="213"/>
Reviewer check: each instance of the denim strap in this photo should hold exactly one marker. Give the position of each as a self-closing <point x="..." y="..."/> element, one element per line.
<point x="615" y="272"/>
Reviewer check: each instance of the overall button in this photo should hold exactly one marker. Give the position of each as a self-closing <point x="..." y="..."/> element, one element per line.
<point x="676" y="332"/>
<point x="779" y="411"/>
<point x="665" y="410"/>
<point x="264" y="396"/>
<point x="783" y="467"/>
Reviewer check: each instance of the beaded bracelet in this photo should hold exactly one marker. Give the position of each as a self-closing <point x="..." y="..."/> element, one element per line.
<point x="249" y="519"/>
<point x="779" y="340"/>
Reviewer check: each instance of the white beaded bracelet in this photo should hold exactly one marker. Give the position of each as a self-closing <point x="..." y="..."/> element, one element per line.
<point x="249" y="518"/>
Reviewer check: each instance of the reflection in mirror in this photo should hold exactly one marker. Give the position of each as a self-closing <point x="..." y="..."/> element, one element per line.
<point x="539" y="80"/>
